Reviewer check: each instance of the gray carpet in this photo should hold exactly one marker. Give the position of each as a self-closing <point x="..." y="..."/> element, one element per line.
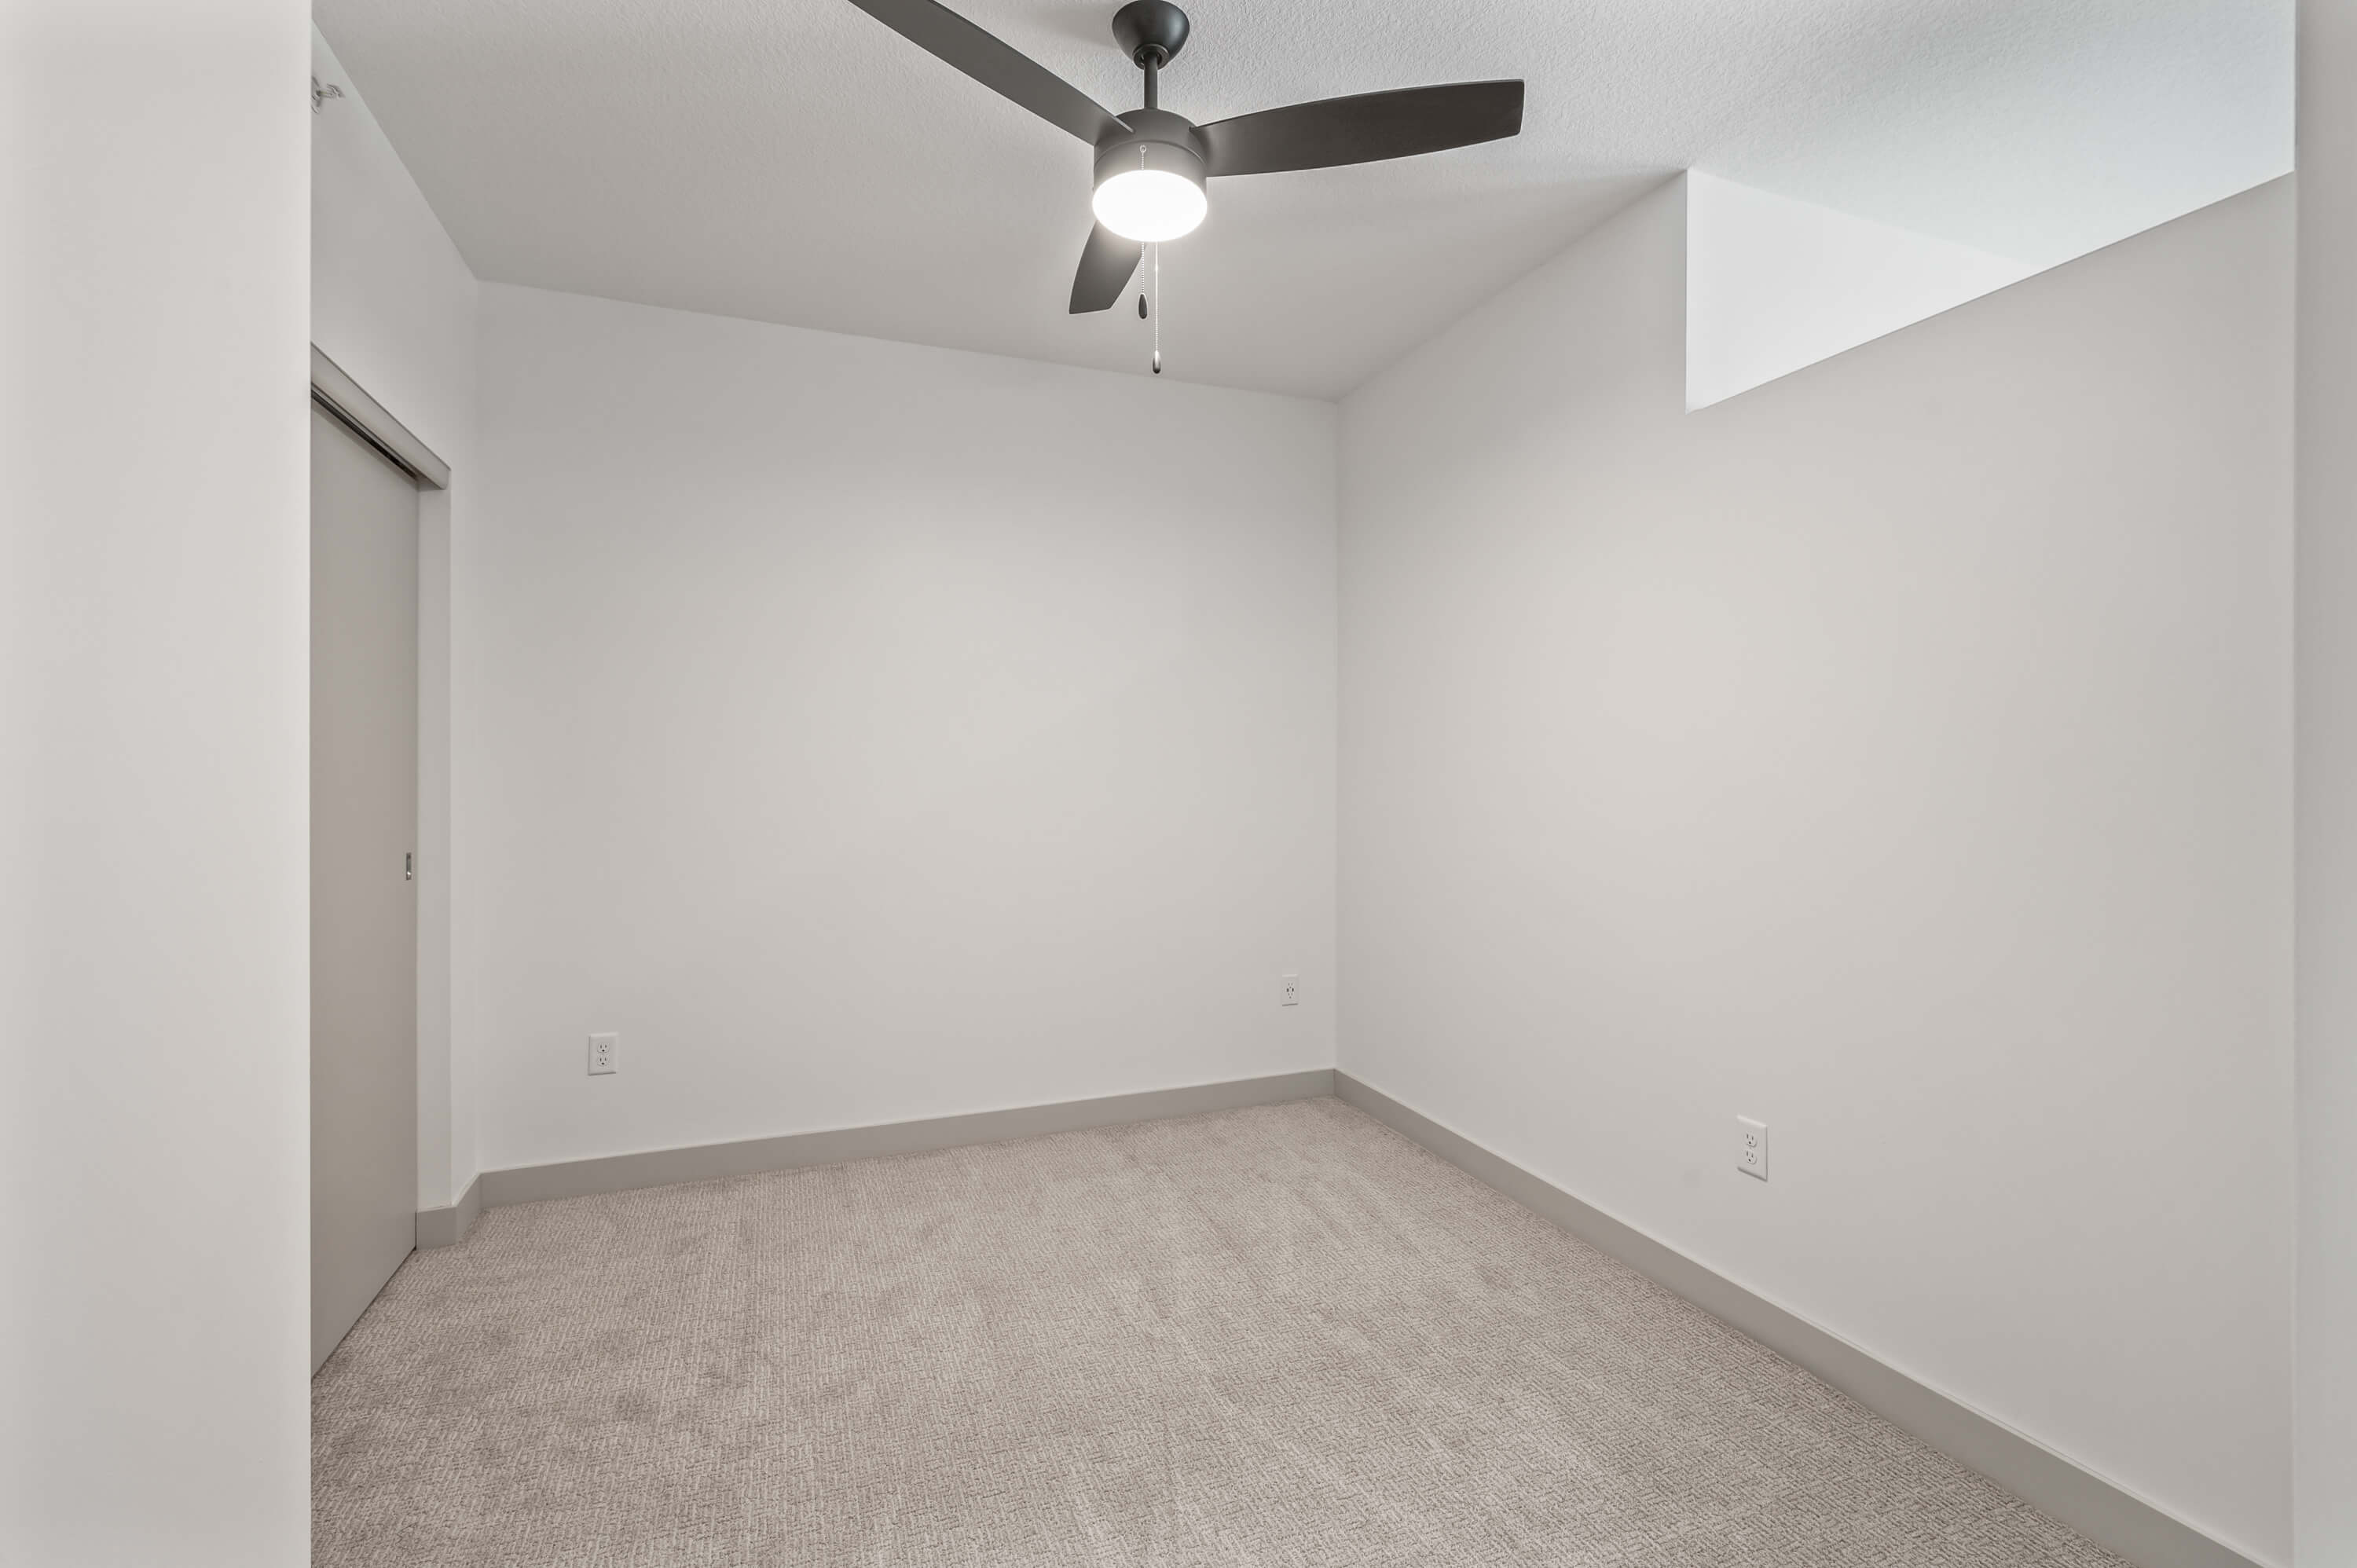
<point x="1281" y="1335"/>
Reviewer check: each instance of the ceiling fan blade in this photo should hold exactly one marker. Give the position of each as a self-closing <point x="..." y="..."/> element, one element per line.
<point x="941" y="32"/>
<point x="1365" y="129"/>
<point x="1107" y="263"/>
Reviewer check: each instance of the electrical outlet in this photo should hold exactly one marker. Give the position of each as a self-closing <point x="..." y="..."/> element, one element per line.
<point x="1751" y="1150"/>
<point x="1291" y="996"/>
<point x="604" y="1052"/>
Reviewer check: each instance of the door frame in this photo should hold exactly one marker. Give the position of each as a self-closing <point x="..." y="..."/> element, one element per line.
<point x="340" y="397"/>
<point x="345" y="400"/>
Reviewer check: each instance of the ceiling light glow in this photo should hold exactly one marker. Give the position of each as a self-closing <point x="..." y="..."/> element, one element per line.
<point x="1150" y="205"/>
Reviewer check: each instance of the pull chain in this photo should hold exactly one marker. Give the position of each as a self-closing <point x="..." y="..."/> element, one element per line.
<point x="1157" y="310"/>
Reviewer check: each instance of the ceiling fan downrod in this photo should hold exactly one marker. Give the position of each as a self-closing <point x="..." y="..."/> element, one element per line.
<point x="1151" y="32"/>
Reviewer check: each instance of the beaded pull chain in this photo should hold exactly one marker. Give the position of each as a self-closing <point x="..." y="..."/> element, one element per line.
<point x="1156" y="314"/>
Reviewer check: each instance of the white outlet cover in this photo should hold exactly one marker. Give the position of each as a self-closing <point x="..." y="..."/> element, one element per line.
<point x="1751" y="1147"/>
<point x="604" y="1053"/>
<point x="1291" y="996"/>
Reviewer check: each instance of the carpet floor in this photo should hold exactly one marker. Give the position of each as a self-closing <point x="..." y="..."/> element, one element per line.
<point x="1278" y="1335"/>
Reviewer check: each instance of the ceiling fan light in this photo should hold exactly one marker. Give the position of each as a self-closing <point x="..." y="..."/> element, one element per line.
<point x="1150" y="205"/>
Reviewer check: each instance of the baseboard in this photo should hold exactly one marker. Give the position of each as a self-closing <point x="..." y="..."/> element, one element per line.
<point x="2099" y="1509"/>
<point x="448" y="1227"/>
<point x="663" y="1167"/>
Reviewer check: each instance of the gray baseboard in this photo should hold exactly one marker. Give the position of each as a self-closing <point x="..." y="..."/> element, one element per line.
<point x="448" y="1227"/>
<point x="2095" y="1507"/>
<point x="662" y="1167"/>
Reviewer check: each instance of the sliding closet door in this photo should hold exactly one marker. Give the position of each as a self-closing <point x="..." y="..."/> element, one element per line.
<point x="363" y="897"/>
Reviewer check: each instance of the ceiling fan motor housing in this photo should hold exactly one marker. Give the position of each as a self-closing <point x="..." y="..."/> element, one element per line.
<point x="1156" y="139"/>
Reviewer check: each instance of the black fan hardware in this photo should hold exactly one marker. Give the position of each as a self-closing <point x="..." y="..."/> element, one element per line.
<point x="1151" y="164"/>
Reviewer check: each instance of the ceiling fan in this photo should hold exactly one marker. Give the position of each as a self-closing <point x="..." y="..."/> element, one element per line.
<point x="1151" y="163"/>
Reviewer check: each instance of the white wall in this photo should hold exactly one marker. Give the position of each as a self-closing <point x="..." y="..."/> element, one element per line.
<point x="393" y="303"/>
<point x="154" y="897"/>
<point x="870" y="732"/>
<point x="2327" y="1468"/>
<point x="1900" y="754"/>
<point x="1773" y="284"/>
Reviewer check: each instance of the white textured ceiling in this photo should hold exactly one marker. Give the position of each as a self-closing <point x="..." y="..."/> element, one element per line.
<point x="793" y="161"/>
